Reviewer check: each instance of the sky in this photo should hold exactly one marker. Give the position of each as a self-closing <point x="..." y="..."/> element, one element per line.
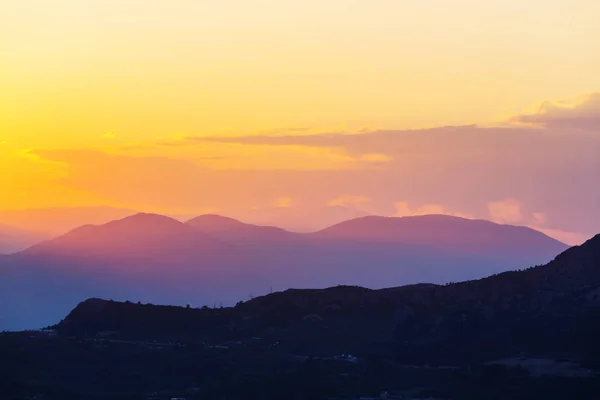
<point x="288" y="111"/>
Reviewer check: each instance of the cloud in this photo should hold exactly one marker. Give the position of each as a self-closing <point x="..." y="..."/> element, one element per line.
<point x="110" y="135"/>
<point x="505" y="212"/>
<point x="356" y="202"/>
<point x="323" y="145"/>
<point x="404" y="210"/>
<point x="581" y="113"/>
<point x="540" y="218"/>
<point x="511" y="211"/>
<point x="327" y="139"/>
<point x="28" y="154"/>
<point x="375" y="158"/>
<point x="283" y="202"/>
<point x="248" y="156"/>
<point x="502" y="148"/>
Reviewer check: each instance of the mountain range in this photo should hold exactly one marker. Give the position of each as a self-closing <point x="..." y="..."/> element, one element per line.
<point x="55" y="221"/>
<point x="14" y="239"/>
<point x="217" y="260"/>
<point x="60" y="220"/>
<point x="546" y="311"/>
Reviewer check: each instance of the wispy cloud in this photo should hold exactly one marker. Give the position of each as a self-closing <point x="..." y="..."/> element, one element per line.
<point x="403" y="209"/>
<point x="283" y="202"/>
<point x="505" y="211"/>
<point x="581" y="113"/>
<point x="356" y="202"/>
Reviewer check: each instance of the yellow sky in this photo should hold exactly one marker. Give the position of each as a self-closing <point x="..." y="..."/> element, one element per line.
<point x="74" y="70"/>
<point x="131" y="76"/>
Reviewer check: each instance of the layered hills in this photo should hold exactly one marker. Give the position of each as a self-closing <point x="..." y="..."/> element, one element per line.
<point x="551" y="310"/>
<point x="217" y="260"/>
<point x="14" y="239"/>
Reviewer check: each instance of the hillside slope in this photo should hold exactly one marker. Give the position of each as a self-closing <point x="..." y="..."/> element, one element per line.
<point x="233" y="231"/>
<point x="14" y="239"/>
<point x="446" y="232"/>
<point x="551" y="310"/>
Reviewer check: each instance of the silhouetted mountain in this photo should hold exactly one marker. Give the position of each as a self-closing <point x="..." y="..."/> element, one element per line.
<point x="60" y="220"/>
<point x="551" y="310"/>
<point x="447" y="232"/>
<point x="307" y="221"/>
<point x="141" y="236"/>
<point x="150" y="257"/>
<point x="214" y="259"/>
<point x="231" y="230"/>
<point x="14" y="239"/>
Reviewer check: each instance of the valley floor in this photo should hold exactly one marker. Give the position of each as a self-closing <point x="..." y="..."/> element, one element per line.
<point x="46" y="366"/>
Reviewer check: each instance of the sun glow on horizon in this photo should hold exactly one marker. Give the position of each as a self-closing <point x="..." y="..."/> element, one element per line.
<point x="281" y="110"/>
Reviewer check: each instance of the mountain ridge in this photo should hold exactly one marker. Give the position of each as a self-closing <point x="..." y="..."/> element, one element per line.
<point x="158" y="259"/>
<point x="60" y="220"/>
<point x="540" y="310"/>
<point x="229" y="228"/>
<point x="14" y="239"/>
<point x="142" y="232"/>
<point x="447" y="222"/>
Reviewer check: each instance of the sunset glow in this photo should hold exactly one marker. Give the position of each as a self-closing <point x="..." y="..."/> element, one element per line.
<point x="276" y="111"/>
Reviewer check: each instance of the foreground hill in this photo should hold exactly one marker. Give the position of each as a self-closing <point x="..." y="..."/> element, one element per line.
<point x="551" y="310"/>
<point x="217" y="260"/>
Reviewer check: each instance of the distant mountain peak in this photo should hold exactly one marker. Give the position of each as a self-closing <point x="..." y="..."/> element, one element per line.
<point x="215" y="221"/>
<point x="60" y="220"/>
<point x="445" y="230"/>
<point x="140" y="235"/>
<point x="212" y="223"/>
<point x="430" y="218"/>
<point x="147" y="219"/>
<point x="139" y="224"/>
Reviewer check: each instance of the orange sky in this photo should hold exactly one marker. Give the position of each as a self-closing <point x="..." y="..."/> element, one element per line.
<point x="171" y="107"/>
